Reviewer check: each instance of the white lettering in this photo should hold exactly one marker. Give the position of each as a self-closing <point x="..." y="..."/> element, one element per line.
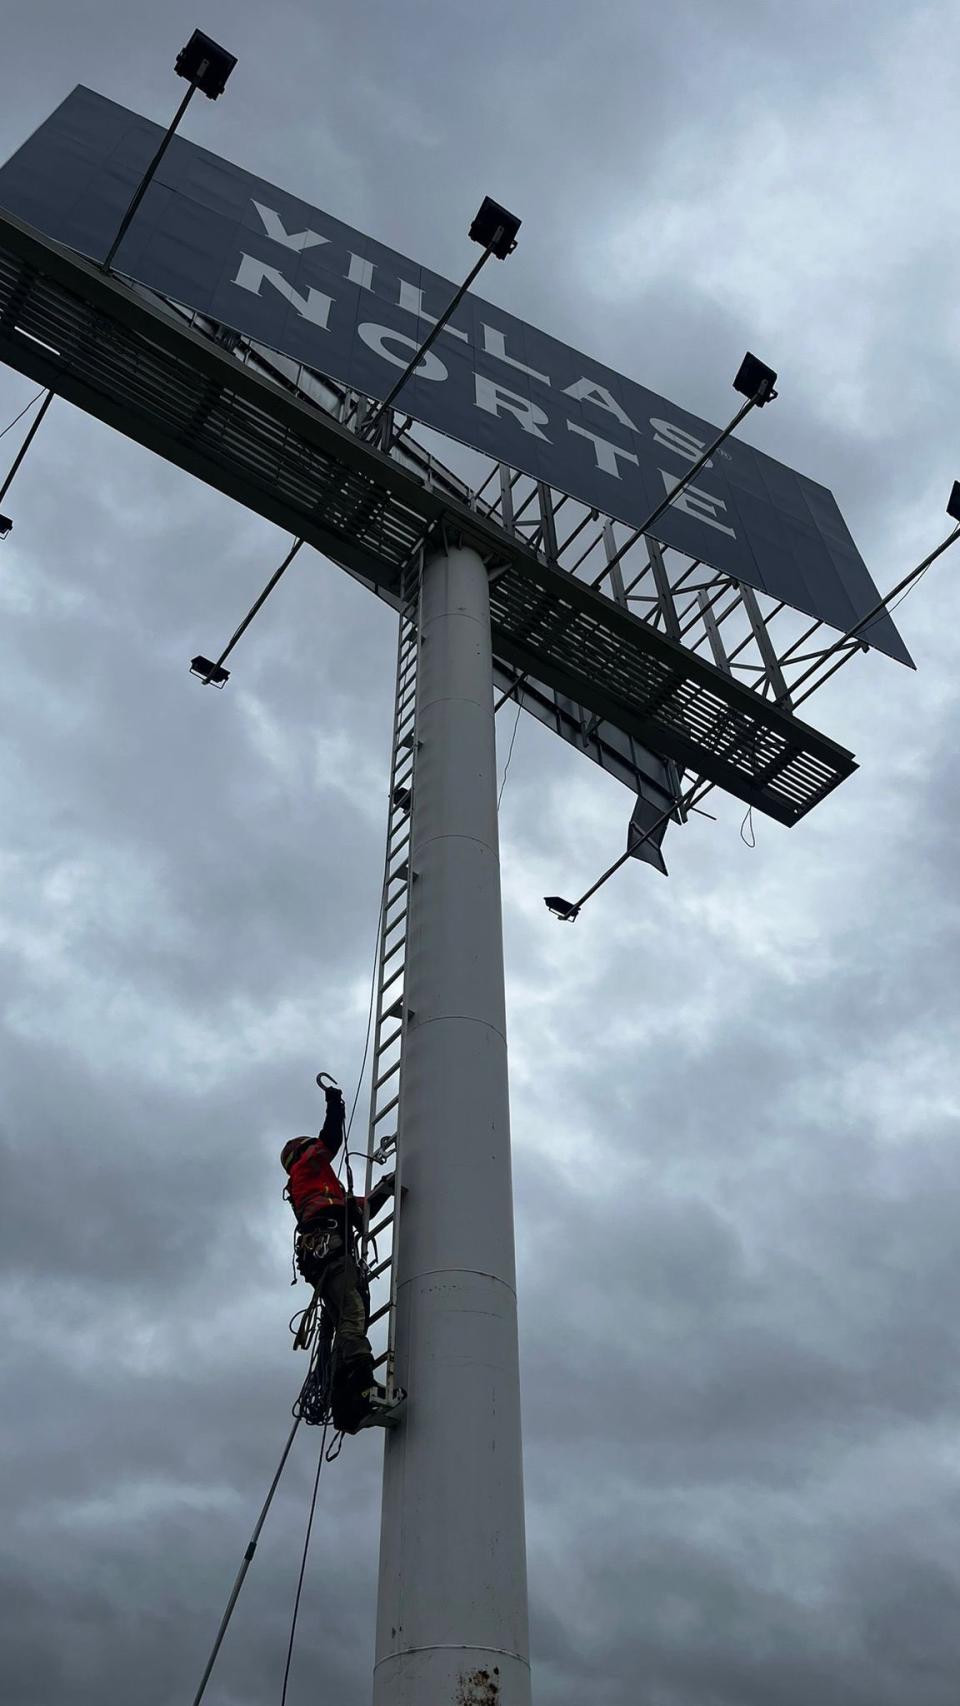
<point x="588" y="391"/>
<point x="676" y="438"/>
<point x="376" y="337"/>
<point x="497" y="400"/>
<point x="411" y="299"/>
<point x="606" y="452"/>
<point x="360" y="271"/>
<point x="273" y="226"/>
<point x="693" y="500"/>
<point x="495" y="343"/>
<point x="314" y="306"/>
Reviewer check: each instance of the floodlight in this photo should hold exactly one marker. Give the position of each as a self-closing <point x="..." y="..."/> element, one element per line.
<point x="495" y="229"/>
<point x="755" y="380"/>
<point x="205" y="64"/>
<point x="6" y="526"/>
<point x="953" y="506"/>
<point x="564" y="909"/>
<point x="211" y="674"/>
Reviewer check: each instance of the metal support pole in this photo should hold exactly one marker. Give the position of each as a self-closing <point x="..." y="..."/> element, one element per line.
<point x="147" y="178"/>
<point x="373" y="420"/>
<point x="452" y="1612"/>
<point x="25" y="446"/>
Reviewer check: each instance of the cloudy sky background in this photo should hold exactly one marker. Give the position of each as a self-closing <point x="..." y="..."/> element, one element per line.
<point x="735" y="1107"/>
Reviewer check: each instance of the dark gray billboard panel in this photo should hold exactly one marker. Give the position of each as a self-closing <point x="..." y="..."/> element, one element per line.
<point x="248" y="254"/>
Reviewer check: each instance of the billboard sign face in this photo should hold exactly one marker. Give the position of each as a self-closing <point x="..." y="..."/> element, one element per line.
<point x="236" y="248"/>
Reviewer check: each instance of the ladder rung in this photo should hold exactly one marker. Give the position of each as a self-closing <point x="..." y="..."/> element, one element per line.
<point x="385" y="1310"/>
<point x="391" y="927"/>
<point x="380" y="1268"/>
<point x="401" y="942"/>
<point x="388" y="1074"/>
<point x="381" y="1360"/>
<point x="399" y="899"/>
<point x="391" y="979"/>
<point x="398" y="1033"/>
<point x="384" y="1111"/>
<point x="381" y="1226"/>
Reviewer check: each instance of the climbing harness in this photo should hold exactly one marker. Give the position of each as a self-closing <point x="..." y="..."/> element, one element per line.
<point x="344" y="1393"/>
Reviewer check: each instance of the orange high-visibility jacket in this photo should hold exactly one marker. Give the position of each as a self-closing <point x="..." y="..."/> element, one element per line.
<point x="314" y="1186"/>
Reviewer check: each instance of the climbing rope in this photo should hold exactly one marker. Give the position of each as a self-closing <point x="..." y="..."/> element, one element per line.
<point x="245" y="1564"/>
<point x="303" y="1566"/>
<point x="312" y="1405"/>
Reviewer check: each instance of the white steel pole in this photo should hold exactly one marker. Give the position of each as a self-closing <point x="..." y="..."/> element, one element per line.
<point x="452" y="1612"/>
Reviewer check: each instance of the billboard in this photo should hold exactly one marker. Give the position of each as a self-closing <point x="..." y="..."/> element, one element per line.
<point x="246" y="253"/>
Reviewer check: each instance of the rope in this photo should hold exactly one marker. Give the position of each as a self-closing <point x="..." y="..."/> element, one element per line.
<point x="303" y="1566"/>
<point x="245" y="1564"/>
<point x="25" y="410"/>
<point x="506" y="767"/>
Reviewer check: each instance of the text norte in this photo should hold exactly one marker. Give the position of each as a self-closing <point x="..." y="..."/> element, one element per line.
<point x="316" y="307"/>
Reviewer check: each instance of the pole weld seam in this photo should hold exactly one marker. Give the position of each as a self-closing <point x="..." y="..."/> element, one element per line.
<point x="453" y="1647"/>
<point x="481" y="1273"/>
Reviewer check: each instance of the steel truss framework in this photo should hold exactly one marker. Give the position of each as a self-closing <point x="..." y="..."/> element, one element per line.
<point x="669" y="656"/>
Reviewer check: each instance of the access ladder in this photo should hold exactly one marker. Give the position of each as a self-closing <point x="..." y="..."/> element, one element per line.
<point x="391" y="1015"/>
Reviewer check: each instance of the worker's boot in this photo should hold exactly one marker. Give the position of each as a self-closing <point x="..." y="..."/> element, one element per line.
<point x="353" y="1384"/>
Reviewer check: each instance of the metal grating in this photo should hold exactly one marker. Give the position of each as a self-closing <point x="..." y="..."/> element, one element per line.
<point x="663" y="695"/>
<point x="138" y="368"/>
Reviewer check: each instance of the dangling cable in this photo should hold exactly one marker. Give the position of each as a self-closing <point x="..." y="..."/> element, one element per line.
<point x="245" y="1565"/>
<point x="24" y="411"/>
<point x="303" y="1566"/>
<point x="506" y="767"/>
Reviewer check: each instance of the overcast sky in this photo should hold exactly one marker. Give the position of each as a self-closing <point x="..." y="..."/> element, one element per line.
<point x="735" y="1107"/>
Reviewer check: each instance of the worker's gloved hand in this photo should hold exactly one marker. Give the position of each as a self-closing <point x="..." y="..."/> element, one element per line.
<point x="333" y="1094"/>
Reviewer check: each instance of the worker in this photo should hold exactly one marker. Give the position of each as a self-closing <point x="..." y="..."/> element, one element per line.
<point x="328" y="1220"/>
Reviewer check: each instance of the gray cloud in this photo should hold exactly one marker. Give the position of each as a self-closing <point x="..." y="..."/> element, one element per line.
<point x="734" y="1092"/>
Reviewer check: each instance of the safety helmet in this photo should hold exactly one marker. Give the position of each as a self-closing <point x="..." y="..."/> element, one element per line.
<point x="291" y="1150"/>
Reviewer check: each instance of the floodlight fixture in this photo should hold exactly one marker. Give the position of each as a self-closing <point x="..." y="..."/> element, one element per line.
<point x="6" y="526"/>
<point x="953" y="502"/>
<point x="205" y="64"/>
<point x="495" y="229"/>
<point x="755" y="380"/>
<point x="211" y="674"/>
<point x="214" y="674"/>
<point x="564" y="909"/>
